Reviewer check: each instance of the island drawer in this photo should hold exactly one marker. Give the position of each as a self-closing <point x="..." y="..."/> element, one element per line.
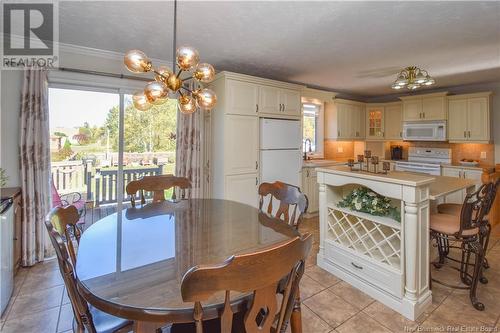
<point x="382" y="277"/>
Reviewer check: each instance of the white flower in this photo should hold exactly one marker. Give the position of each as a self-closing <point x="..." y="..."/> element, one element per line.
<point x="357" y="205"/>
<point x="371" y="194"/>
<point x="374" y="202"/>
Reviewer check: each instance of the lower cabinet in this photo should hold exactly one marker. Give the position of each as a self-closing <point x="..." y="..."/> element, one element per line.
<point x="310" y="188"/>
<point x="243" y="188"/>
<point x="459" y="196"/>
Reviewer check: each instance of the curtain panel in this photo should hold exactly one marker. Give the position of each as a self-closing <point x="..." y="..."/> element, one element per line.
<point x="35" y="165"/>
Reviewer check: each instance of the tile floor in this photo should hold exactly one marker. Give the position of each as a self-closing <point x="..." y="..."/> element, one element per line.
<point x="329" y="305"/>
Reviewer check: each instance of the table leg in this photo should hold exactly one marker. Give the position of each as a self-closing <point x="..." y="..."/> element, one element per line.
<point x="146" y="327"/>
<point x="296" y="317"/>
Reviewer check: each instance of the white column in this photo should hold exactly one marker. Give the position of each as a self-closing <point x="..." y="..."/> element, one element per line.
<point x="411" y="248"/>
<point x="323" y="216"/>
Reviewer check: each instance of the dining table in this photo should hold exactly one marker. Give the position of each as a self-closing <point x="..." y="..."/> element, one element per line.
<point x="131" y="263"/>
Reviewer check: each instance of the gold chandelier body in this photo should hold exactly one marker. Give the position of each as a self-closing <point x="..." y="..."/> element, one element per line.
<point x="412" y="78"/>
<point x="168" y="82"/>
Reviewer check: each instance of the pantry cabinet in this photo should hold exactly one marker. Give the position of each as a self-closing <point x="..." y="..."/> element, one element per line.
<point x="426" y="107"/>
<point x="469" y="118"/>
<point x="344" y="120"/>
<point x="242" y="98"/>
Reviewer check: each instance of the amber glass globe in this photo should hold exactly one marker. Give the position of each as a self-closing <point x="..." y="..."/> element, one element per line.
<point x="187" y="104"/>
<point x="156" y="92"/>
<point x="137" y="61"/>
<point x="163" y="73"/>
<point x="204" y="72"/>
<point x="206" y="99"/>
<point x="140" y="101"/>
<point x="187" y="57"/>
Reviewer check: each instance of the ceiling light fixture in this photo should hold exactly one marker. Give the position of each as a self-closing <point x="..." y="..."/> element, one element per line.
<point x="167" y="81"/>
<point x="412" y="78"/>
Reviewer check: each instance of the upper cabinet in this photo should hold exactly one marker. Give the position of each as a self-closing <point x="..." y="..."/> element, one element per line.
<point x="393" y="116"/>
<point x="375" y="122"/>
<point x="469" y="118"/>
<point x="279" y="101"/>
<point x="344" y="120"/>
<point x="425" y="107"/>
<point x="290" y="101"/>
<point x="242" y="97"/>
<point x="383" y="121"/>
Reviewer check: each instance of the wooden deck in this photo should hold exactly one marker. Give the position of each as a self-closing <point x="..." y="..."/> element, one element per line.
<point x="96" y="213"/>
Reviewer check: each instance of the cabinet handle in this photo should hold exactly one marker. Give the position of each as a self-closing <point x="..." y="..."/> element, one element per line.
<point x="400" y="134"/>
<point x="256" y="165"/>
<point x="356" y="266"/>
<point x="256" y="181"/>
<point x="307" y="173"/>
<point x="284" y="107"/>
<point x="338" y="133"/>
<point x="465" y="134"/>
<point x="424" y="114"/>
<point x="256" y="107"/>
<point x="468" y="133"/>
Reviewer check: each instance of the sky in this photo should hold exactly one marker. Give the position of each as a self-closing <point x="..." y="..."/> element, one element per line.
<point x="72" y="108"/>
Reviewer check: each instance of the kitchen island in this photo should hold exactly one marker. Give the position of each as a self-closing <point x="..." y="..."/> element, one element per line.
<point x="384" y="257"/>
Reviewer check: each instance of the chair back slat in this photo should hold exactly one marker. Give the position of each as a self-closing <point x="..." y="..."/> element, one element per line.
<point x="64" y="220"/>
<point x="157" y="185"/>
<point x="289" y="196"/>
<point x="259" y="273"/>
<point x="474" y="208"/>
<point x="80" y="308"/>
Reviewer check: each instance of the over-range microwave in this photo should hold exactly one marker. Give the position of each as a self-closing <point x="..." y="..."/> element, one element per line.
<point x="425" y="131"/>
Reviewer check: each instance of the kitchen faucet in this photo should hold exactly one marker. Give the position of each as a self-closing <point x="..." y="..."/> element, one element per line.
<point x="305" y="148"/>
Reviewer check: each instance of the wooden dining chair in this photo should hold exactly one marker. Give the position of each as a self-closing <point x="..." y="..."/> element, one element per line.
<point x="288" y="198"/>
<point x="157" y="185"/>
<point x="87" y="318"/>
<point x="258" y="273"/>
<point x="64" y="220"/>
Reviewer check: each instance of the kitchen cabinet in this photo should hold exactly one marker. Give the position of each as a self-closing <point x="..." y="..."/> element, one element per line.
<point x="310" y="188"/>
<point x="375" y="123"/>
<point x="243" y="188"/>
<point x="466" y="173"/>
<point x="242" y="98"/>
<point x="469" y="118"/>
<point x="426" y="107"/>
<point x="231" y="159"/>
<point x="344" y="120"/>
<point x="393" y="122"/>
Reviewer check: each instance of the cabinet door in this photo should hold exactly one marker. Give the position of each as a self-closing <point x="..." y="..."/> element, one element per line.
<point x="17" y="231"/>
<point x="375" y="123"/>
<point x="314" y="194"/>
<point x="243" y="188"/>
<point x="456" y="197"/>
<point x="242" y="144"/>
<point x="242" y="98"/>
<point x="393" y="122"/>
<point x="344" y="121"/>
<point x="358" y="122"/>
<point x="269" y="100"/>
<point x="478" y="119"/>
<point x="457" y="119"/>
<point x="290" y="99"/>
<point x="434" y="108"/>
<point x="474" y="175"/>
<point x="412" y="110"/>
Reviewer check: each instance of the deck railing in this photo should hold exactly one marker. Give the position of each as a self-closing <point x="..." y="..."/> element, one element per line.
<point x="68" y="176"/>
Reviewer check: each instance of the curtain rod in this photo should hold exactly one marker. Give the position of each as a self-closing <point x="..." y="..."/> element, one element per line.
<point x="120" y="76"/>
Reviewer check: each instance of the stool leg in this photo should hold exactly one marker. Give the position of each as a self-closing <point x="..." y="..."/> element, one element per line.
<point x="476" y="247"/>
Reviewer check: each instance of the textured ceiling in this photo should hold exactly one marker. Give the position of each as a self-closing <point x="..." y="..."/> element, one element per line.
<point x="353" y="47"/>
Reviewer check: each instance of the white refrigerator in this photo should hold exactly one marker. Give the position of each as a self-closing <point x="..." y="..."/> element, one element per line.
<point x="280" y="151"/>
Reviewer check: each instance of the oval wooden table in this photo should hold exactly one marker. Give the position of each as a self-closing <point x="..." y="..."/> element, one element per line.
<point x="131" y="263"/>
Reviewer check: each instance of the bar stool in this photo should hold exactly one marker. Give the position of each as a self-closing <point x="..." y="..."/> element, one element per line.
<point x="464" y="229"/>
<point x="485" y="227"/>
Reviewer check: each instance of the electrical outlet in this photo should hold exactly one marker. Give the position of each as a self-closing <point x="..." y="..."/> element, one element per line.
<point x="340" y="149"/>
<point x="483" y="155"/>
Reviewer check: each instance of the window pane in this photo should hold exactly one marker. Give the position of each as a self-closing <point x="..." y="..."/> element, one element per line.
<point x="149" y="141"/>
<point x="310" y="123"/>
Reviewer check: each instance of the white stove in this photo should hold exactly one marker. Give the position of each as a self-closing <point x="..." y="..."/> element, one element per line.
<point x="425" y="160"/>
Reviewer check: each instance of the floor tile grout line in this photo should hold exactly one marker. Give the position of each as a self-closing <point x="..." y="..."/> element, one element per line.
<point x="14" y="298"/>
<point x="321" y="318"/>
<point x="60" y="308"/>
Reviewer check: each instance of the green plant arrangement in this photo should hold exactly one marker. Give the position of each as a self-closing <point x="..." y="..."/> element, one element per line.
<point x="3" y="178"/>
<point x="364" y="200"/>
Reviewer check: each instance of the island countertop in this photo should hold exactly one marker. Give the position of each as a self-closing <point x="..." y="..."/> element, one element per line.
<point x="439" y="186"/>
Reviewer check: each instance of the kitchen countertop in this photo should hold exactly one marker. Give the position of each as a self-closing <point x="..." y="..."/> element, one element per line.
<point x="444" y="185"/>
<point x="452" y="165"/>
<point x="321" y="163"/>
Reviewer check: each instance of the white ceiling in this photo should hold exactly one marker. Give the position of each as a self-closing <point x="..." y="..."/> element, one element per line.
<point x="353" y="47"/>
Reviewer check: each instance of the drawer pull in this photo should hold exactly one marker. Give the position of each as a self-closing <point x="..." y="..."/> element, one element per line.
<point x="356" y="266"/>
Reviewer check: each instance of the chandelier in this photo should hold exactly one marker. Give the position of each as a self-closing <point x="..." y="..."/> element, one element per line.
<point x="412" y="78"/>
<point x="167" y="81"/>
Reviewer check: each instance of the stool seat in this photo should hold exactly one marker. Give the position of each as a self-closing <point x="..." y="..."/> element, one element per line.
<point x="448" y="224"/>
<point x="450" y="208"/>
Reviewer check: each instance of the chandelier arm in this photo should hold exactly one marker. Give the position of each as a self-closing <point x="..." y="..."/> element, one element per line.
<point x="160" y="74"/>
<point x="179" y="74"/>
<point x="187" y="89"/>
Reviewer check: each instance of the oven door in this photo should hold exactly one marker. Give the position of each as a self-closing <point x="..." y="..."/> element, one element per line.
<point x="427" y="169"/>
<point x="424" y="131"/>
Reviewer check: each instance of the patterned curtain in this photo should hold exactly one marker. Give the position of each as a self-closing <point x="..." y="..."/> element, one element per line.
<point x="35" y="165"/>
<point x="188" y="151"/>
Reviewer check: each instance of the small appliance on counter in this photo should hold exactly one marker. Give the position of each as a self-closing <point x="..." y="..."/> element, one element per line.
<point x="396" y="153"/>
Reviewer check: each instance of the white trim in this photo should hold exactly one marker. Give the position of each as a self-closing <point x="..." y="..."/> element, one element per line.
<point x="82" y="81"/>
<point x="320" y="130"/>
